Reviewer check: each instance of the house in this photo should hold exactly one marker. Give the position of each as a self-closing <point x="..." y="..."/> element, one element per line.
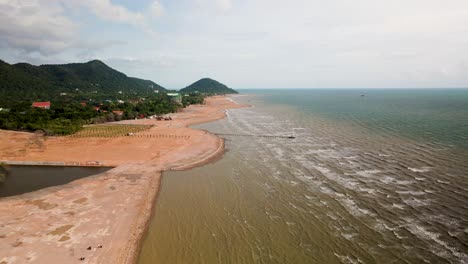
<point x="119" y="113"/>
<point x="176" y="97"/>
<point x="120" y="101"/>
<point x="97" y="108"/>
<point x="83" y="103"/>
<point x="43" y="105"/>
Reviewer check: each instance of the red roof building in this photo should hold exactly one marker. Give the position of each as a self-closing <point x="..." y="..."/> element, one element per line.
<point x="118" y="112"/>
<point x="44" y="105"/>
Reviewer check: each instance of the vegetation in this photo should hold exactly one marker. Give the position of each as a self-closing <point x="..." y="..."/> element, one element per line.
<point x="83" y="94"/>
<point x="68" y="116"/>
<point x="193" y="98"/>
<point x="60" y="119"/>
<point x="26" y="82"/>
<point x="209" y="87"/>
<point x="110" y="130"/>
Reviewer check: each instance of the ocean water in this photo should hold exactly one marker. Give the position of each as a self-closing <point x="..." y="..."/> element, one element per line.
<point x="372" y="176"/>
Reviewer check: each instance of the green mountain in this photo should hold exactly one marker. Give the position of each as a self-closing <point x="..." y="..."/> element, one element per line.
<point x="23" y="82"/>
<point x="208" y="86"/>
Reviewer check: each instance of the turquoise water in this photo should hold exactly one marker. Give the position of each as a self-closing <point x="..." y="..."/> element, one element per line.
<point x="436" y="115"/>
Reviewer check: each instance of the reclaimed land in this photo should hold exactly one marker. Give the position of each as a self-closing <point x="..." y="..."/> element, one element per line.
<point x="101" y="218"/>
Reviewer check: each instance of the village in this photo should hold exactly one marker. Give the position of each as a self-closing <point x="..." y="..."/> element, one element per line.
<point x="67" y="113"/>
<point x="174" y="97"/>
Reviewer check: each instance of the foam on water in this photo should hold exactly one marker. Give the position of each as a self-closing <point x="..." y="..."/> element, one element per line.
<point x="366" y="197"/>
<point x="442" y="249"/>
<point x="422" y="169"/>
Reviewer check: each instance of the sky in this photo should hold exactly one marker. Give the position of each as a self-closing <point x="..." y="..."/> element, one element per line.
<point x="249" y="43"/>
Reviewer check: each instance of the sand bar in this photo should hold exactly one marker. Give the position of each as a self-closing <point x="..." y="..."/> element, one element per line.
<point x="108" y="212"/>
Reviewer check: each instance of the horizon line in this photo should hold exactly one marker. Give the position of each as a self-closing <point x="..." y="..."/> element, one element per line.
<point x="336" y="88"/>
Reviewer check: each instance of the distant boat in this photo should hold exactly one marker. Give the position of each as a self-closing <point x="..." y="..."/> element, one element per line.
<point x="362" y="95"/>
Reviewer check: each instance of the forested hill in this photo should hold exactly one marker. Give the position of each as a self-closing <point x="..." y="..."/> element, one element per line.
<point x="25" y="82"/>
<point x="208" y="86"/>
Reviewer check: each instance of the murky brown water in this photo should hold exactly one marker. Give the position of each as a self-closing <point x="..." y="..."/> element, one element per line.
<point x="23" y="179"/>
<point x="335" y="194"/>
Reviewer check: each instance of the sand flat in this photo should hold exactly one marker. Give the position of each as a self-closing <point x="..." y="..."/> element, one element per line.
<point x="108" y="212"/>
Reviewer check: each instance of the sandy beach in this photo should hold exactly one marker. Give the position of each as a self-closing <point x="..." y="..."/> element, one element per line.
<point x="108" y="212"/>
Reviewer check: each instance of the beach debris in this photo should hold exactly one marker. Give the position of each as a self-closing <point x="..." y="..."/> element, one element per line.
<point x="99" y="246"/>
<point x="88" y="248"/>
<point x="82" y="258"/>
<point x="130" y="134"/>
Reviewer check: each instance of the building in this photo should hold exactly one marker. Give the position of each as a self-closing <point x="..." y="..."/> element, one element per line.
<point x="176" y="97"/>
<point x="117" y="112"/>
<point x="43" y="105"/>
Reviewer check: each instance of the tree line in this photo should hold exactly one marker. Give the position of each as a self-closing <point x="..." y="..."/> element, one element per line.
<point x="68" y="115"/>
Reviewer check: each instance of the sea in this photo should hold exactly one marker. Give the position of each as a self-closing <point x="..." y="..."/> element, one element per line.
<point x="324" y="176"/>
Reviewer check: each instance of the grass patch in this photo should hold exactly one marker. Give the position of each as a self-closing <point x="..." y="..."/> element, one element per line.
<point x="110" y="130"/>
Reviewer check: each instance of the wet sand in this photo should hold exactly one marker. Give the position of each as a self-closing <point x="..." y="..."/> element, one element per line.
<point x="108" y="212"/>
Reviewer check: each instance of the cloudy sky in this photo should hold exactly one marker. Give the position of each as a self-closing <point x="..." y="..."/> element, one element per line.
<point x="249" y="43"/>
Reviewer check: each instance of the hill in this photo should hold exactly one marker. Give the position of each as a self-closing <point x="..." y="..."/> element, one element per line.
<point x="25" y="82"/>
<point x="208" y="86"/>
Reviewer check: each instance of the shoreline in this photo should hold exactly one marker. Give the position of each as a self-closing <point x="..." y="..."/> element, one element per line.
<point x="145" y="220"/>
<point x="134" y="252"/>
<point x="126" y="218"/>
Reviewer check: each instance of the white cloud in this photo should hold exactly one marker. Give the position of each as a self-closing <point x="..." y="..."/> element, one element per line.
<point x="156" y="9"/>
<point x="35" y="26"/>
<point x="213" y="5"/>
<point x="43" y="28"/>
<point x="253" y="43"/>
<point x="224" y="4"/>
<point x="106" y="10"/>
